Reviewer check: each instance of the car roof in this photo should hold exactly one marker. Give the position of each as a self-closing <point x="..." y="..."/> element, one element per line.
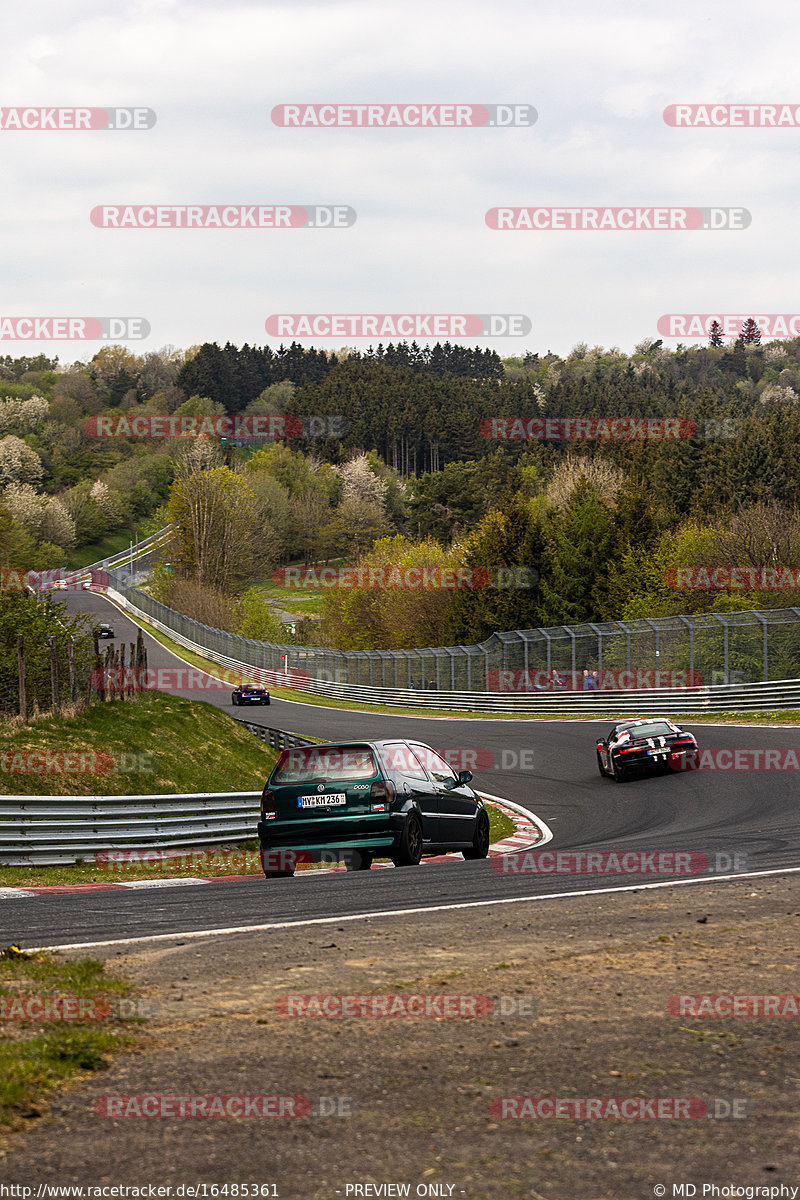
<point x="644" y="721"/>
<point x="376" y="745"/>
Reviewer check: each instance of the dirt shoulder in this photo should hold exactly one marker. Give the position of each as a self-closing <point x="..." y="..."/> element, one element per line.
<point x="598" y="972"/>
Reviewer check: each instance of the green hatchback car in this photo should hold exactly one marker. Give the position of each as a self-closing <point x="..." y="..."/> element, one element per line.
<point x="351" y="801"/>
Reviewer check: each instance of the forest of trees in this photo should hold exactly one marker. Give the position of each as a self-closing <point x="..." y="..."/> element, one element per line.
<point x="599" y="523"/>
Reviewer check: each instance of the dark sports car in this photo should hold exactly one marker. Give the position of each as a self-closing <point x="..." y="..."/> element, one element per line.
<point x="104" y="630"/>
<point x="647" y="744"/>
<point x="250" y="693"/>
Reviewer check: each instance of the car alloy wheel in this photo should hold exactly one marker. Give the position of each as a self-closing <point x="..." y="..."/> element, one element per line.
<point x="481" y="838"/>
<point x="409" y="852"/>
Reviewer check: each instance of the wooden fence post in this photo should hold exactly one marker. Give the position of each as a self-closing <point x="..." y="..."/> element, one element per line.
<point x="23" y="695"/>
<point x="56" y="698"/>
<point x="73" y="687"/>
<point x="98" y="672"/>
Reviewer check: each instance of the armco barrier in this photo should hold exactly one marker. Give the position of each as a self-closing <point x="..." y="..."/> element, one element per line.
<point x="122" y="557"/>
<point x="747" y="697"/>
<point x="62" y="829"/>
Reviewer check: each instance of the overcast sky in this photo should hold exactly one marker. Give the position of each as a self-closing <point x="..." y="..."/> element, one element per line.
<point x="598" y="75"/>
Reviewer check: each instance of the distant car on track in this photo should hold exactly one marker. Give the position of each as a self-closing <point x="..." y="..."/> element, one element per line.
<point x="648" y="743"/>
<point x="104" y="630"/>
<point x="250" y="693"/>
<point x="355" y="800"/>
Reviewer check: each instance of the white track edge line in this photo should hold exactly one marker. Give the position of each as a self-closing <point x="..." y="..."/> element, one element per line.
<point x="406" y="912"/>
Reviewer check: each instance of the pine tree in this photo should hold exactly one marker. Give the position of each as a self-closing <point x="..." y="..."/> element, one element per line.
<point x="751" y="334"/>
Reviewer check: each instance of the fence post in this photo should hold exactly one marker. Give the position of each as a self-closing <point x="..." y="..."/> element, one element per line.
<point x="73" y="687"/>
<point x="54" y="674"/>
<point x="141" y="661"/>
<point x="99" y="673"/>
<point x="23" y="695"/>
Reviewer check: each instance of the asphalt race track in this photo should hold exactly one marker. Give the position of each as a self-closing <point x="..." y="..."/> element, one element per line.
<point x="741" y="820"/>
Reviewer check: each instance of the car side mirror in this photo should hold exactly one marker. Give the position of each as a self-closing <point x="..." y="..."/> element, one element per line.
<point x="464" y="776"/>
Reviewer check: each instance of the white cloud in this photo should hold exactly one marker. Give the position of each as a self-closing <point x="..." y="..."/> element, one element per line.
<point x="599" y="77"/>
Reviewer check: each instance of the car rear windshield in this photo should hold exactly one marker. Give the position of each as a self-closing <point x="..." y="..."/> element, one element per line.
<point x="306" y="764"/>
<point x="654" y="729"/>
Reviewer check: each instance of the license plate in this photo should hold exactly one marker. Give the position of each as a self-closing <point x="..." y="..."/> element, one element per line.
<point x="658" y="753"/>
<point x="322" y="801"/>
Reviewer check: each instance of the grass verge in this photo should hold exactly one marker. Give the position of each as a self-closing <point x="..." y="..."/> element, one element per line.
<point x="107" y="547"/>
<point x="38" y="1055"/>
<point x="155" y="743"/>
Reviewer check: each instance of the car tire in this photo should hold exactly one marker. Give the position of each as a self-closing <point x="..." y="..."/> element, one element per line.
<point x="617" y="774"/>
<point x="285" y="868"/>
<point x="409" y="850"/>
<point x="358" y="860"/>
<point x="481" y="838"/>
<point x="265" y="701"/>
<point x="600" y="766"/>
<point x="234" y="700"/>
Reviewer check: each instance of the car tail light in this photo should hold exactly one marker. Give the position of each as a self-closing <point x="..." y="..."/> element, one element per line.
<point x="267" y="802"/>
<point x="382" y="789"/>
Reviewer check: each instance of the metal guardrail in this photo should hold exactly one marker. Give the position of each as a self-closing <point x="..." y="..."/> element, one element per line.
<point x="279" y="739"/>
<point x="746" y="697"/>
<point x="122" y="557"/>
<point x="42" y="830"/>
<point x="748" y="646"/>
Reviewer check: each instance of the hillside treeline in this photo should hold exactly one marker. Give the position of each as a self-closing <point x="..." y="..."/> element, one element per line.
<point x="600" y="523"/>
